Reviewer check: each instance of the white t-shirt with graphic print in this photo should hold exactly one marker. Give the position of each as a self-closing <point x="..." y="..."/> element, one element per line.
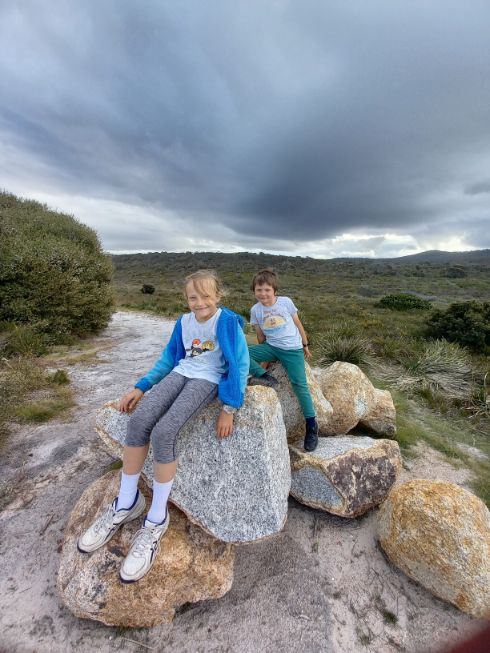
<point x="203" y="356"/>
<point x="277" y="323"/>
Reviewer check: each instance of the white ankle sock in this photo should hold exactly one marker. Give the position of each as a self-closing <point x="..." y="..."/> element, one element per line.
<point x="127" y="490"/>
<point x="158" y="508"/>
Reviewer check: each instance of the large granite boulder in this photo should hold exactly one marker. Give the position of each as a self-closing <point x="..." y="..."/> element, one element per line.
<point x="236" y="488"/>
<point x="439" y="534"/>
<point x="346" y="475"/>
<point x="191" y="566"/>
<point x="381" y="415"/>
<point x="355" y="400"/>
<point x="291" y="410"/>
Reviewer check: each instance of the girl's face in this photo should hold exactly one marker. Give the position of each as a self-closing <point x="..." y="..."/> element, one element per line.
<point x="203" y="302"/>
<point x="266" y="294"/>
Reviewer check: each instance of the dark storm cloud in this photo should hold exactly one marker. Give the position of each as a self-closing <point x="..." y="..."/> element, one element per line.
<point x="478" y="188"/>
<point x="282" y="120"/>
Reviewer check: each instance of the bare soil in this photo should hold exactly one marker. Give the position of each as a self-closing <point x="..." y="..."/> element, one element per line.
<point x="320" y="585"/>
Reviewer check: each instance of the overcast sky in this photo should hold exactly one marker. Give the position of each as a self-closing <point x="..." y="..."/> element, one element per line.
<point x="311" y="127"/>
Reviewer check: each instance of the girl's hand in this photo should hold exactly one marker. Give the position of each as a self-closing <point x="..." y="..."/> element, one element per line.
<point x="224" y="425"/>
<point x="307" y="352"/>
<point x="128" y="403"/>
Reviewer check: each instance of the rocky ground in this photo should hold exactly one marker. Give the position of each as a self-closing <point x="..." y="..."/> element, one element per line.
<point x="321" y="585"/>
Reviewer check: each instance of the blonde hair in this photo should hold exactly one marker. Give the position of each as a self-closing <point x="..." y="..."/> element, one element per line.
<point x="204" y="281"/>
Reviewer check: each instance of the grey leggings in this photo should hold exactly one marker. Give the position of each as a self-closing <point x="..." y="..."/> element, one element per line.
<point x="165" y="410"/>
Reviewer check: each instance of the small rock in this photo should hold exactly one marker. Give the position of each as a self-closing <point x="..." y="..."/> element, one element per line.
<point x="345" y="476"/>
<point x="439" y="534"/>
<point x="408" y="464"/>
<point x="381" y="415"/>
<point x="350" y="393"/>
<point x="355" y="401"/>
<point x="236" y="488"/>
<point x="191" y="566"/>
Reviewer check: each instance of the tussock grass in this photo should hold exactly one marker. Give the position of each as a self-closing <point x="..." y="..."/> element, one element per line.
<point x="45" y="409"/>
<point x="440" y="367"/>
<point x="353" y="349"/>
<point x="29" y="394"/>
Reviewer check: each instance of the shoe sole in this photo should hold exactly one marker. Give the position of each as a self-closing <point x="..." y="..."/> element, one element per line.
<point x="137" y="514"/>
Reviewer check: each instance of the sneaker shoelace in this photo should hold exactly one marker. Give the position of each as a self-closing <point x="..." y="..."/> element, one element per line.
<point x="105" y="520"/>
<point x="142" y="540"/>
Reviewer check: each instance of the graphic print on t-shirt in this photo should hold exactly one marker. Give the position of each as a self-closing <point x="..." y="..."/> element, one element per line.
<point x="198" y="348"/>
<point x="272" y="321"/>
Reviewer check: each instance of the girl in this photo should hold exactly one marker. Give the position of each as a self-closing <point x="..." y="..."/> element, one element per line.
<point x="207" y="355"/>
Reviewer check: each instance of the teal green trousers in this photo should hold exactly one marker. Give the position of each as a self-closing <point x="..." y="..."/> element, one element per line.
<point x="293" y="361"/>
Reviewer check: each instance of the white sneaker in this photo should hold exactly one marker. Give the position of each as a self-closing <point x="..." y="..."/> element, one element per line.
<point x="108" y="523"/>
<point x="144" y="548"/>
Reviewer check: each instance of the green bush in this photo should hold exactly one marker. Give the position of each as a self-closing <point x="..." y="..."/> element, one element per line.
<point x="403" y="302"/>
<point x="467" y="323"/>
<point x="54" y="276"/>
<point x="455" y="272"/>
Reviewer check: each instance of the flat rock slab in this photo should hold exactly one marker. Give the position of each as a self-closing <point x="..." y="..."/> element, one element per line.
<point x="237" y="488"/>
<point x="438" y="533"/>
<point x="345" y="475"/>
<point x="191" y="566"/>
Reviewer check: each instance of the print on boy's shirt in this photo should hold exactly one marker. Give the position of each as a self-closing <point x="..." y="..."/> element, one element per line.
<point x="196" y="348"/>
<point x="272" y="321"/>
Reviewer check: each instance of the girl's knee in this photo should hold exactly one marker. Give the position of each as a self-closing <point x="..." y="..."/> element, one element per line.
<point x="163" y="445"/>
<point x="139" y="424"/>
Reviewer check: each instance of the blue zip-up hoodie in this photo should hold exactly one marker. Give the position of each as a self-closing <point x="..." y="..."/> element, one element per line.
<point x="229" y="332"/>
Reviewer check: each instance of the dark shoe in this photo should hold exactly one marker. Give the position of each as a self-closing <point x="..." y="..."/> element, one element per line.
<point x="266" y="379"/>
<point x="311" y="437"/>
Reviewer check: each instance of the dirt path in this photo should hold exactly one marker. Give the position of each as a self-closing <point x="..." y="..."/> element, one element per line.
<point x="321" y="585"/>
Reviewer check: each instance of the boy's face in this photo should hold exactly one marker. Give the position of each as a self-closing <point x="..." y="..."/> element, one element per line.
<point x="265" y="293"/>
<point x="203" y="302"/>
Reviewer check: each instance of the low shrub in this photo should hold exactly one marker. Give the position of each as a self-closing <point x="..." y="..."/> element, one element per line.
<point x="60" y="377"/>
<point x="403" y="302"/>
<point x="465" y="323"/>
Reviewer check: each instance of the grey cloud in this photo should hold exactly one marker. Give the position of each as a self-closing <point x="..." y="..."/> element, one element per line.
<point x="478" y="188"/>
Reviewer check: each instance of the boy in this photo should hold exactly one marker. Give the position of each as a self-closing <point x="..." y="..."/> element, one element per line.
<point x="281" y="338"/>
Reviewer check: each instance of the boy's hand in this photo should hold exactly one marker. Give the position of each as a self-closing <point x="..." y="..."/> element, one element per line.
<point x="307" y="352"/>
<point x="128" y="403"/>
<point x="224" y="425"/>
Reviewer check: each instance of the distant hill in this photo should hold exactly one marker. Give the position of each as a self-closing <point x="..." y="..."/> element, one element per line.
<point x="242" y="261"/>
<point x="438" y="256"/>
